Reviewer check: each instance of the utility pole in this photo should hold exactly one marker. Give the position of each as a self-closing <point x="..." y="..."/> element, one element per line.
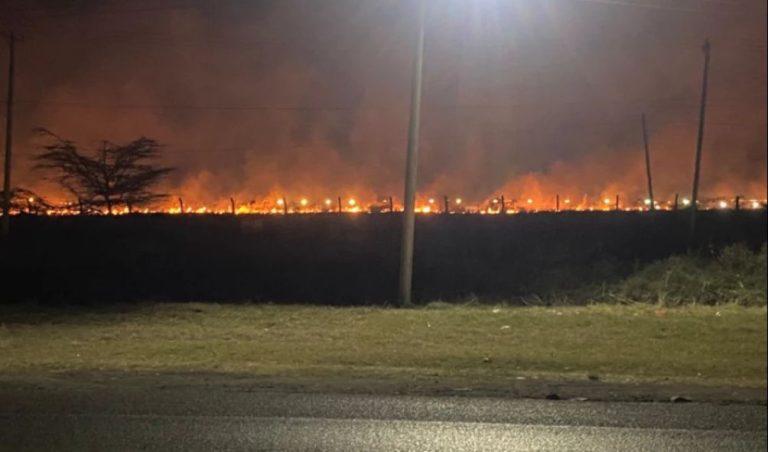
<point x="446" y="207"/>
<point x="648" y="164"/>
<point x="699" y="141"/>
<point x="557" y="203"/>
<point x="6" y="227"/>
<point x="411" y="167"/>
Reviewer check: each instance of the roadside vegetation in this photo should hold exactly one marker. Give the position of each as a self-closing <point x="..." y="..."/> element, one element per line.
<point x="735" y="275"/>
<point x="722" y="345"/>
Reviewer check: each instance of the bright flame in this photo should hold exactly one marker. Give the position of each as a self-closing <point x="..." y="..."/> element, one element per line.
<point x="352" y="202"/>
<point x="606" y="201"/>
<point x="686" y="202"/>
<point x="328" y="202"/>
<point x="280" y="202"/>
<point x="529" y="201"/>
<point x="647" y="201"/>
<point x="458" y="200"/>
<point x="304" y="202"/>
<point x="431" y="200"/>
<point x="755" y="205"/>
<point x="722" y="204"/>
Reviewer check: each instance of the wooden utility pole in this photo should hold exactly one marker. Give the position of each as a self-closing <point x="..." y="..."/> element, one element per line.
<point x="232" y="205"/>
<point x="285" y="206"/>
<point x="411" y="168"/>
<point x="699" y="140"/>
<point x="737" y="205"/>
<point x="6" y="226"/>
<point x="648" y="164"/>
<point x="339" y="200"/>
<point x="677" y="200"/>
<point x="557" y="203"/>
<point x="181" y="205"/>
<point x="446" y="207"/>
<point x="502" y="208"/>
<point x="618" y="205"/>
<point x="391" y="205"/>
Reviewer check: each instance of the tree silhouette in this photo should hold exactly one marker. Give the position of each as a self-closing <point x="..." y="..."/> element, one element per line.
<point x="113" y="175"/>
<point x="23" y="199"/>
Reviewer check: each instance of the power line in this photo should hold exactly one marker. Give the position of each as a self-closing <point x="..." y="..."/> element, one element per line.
<point x="657" y="103"/>
<point x="656" y="6"/>
<point x="194" y="107"/>
<point x="103" y="11"/>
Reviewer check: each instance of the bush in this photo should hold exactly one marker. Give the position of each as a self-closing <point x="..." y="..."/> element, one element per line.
<point x="736" y="275"/>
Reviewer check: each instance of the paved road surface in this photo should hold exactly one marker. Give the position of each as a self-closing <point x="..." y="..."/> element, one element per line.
<point x="234" y="418"/>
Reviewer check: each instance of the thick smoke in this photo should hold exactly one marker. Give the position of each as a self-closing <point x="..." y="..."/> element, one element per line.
<point x="260" y="100"/>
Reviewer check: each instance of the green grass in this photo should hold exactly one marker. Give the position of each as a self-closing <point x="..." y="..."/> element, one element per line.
<point x="735" y="275"/>
<point x="707" y="345"/>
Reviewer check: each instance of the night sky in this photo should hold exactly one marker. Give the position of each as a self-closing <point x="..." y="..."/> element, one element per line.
<point x="310" y="98"/>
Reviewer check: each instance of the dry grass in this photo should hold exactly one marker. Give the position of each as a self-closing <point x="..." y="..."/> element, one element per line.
<point x="701" y="344"/>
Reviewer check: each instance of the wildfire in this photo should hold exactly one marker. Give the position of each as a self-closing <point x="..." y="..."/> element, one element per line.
<point x="428" y="205"/>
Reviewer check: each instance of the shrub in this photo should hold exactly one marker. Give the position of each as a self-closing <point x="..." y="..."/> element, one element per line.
<point x="736" y="275"/>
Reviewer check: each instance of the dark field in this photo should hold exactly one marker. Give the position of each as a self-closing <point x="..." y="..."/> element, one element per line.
<point x="345" y="259"/>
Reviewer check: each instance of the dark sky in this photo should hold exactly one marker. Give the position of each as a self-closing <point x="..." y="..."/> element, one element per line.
<point x="525" y="97"/>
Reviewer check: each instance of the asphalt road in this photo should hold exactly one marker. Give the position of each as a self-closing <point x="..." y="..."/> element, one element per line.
<point x="113" y="417"/>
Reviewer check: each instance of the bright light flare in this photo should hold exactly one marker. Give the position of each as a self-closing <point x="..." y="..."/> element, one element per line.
<point x="352" y="202"/>
<point x="304" y="202"/>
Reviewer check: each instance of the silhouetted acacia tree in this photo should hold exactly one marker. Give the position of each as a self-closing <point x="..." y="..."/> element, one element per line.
<point x="113" y="175"/>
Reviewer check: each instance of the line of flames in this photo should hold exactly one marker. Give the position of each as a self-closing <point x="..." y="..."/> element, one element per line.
<point x="493" y="206"/>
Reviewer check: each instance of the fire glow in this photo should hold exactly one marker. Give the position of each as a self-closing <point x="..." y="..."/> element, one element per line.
<point x="284" y="205"/>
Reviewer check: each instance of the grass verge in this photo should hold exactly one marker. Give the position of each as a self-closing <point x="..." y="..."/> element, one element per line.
<point x="722" y="345"/>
